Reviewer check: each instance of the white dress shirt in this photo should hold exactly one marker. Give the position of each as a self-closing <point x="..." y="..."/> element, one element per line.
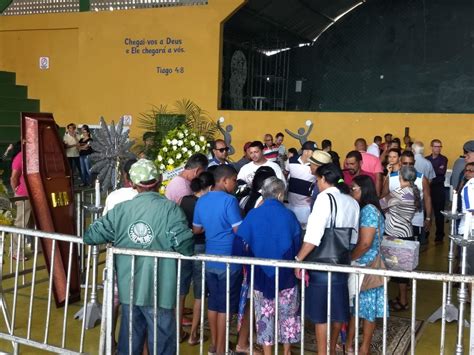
<point x="467" y="198"/>
<point x="247" y="172"/>
<point x="320" y="218"/>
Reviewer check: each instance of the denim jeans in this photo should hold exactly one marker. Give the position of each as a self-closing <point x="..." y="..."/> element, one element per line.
<point x="85" y="169"/>
<point x="191" y="270"/>
<point x="142" y="328"/>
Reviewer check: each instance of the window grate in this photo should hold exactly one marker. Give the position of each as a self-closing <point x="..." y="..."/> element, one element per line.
<point x="103" y="5"/>
<point x="30" y="7"/>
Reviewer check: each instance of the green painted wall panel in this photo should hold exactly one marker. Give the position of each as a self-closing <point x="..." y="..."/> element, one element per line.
<point x="9" y="118"/>
<point x="12" y="104"/>
<point x="7" y="77"/>
<point x="15" y="91"/>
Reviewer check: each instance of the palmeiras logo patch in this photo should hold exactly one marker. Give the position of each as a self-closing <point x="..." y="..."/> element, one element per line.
<point x="141" y="233"/>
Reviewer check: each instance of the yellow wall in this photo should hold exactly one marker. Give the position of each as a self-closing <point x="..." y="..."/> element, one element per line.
<point x="91" y="75"/>
<point x="343" y="128"/>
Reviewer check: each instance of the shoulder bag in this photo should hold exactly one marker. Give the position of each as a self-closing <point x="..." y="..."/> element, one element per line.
<point x="374" y="281"/>
<point x="335" y="243"/>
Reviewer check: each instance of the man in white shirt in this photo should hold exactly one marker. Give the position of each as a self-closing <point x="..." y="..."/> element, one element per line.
<point x="71" y="140"/>
<point x="126" y="193"/>
<point x="467" y="195"/>
<point x="374" y="148"/>
<point x="422" y="165"/>
<point x="247" y="172"/>
<point x="467" y="203"/>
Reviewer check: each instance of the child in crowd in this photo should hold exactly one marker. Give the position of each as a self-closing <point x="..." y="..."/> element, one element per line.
<point x="217" y="214"/>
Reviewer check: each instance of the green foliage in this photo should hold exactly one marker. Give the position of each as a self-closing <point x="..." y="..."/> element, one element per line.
<point x="6" y="214"/>
<point x="160" y="120"/>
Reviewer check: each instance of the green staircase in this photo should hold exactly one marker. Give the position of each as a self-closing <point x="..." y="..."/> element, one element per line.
<point x="13" y="100"/>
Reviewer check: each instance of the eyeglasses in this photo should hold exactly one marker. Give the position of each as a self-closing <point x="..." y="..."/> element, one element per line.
<point x="222" y="150"/>
<point x="355" y="188"/>
<point x="408" y="163"/>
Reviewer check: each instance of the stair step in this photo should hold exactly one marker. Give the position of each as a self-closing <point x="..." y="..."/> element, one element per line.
<point x="10" y="117"/>
<point x="12" y="104"/>
<point x="7" y="77"/>
<point x="16" y="91"/>
<point x="10" y="134"/>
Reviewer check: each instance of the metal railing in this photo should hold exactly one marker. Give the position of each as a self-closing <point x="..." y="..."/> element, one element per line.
<point x="51" y="337"/>
<point x="19" y="321"/>
<point x="106" y="345"/>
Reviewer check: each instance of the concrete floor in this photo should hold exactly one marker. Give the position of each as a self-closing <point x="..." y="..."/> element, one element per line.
<point x="434" y="258"/>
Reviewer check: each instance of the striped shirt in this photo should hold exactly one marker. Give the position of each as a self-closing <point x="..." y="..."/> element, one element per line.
<point x="394" y="182"/>
<point x="300" y="183"/>
<point x="400" y="209"/>
<point x="271" y="153"/>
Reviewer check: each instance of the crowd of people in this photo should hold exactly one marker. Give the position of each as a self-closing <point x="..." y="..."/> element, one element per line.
<point x="78" y="149"/>
<point x="274" y="203"/>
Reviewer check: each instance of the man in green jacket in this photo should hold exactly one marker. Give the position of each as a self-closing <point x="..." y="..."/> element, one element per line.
<point x="149" y="222"/>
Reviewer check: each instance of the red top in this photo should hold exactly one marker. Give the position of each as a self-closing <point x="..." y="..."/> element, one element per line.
<point x="348" y="177"/>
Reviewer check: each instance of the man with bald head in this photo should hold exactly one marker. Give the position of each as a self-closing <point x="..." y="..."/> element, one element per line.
<point x="220" y="152"/>
<point x="422" y="164"/>
<point x="370" y="163"/>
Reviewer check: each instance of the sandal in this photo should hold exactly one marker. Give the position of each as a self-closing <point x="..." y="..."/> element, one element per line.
<point x="397" y="306"/>
<point x="341" y="348"/>
<point x="195" y="341"/>
<point x="183" y="336"/>
<point x="240" y="350"/>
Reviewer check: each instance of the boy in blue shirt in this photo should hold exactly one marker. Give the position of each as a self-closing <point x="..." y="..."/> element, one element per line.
<point x="218" y="214"/>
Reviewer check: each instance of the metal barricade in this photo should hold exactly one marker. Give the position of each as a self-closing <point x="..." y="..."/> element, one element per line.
<point x="16" y="253"/>
<point x="21" y="315"/>
<point x="106" y="345"/>
<point x="33" y="305"/>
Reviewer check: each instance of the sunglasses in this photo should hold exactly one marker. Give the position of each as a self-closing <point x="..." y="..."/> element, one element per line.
<point x="222" y="150"/>
<point x="469" y="170"/>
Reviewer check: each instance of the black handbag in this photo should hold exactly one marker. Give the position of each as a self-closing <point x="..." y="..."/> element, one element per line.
<point x="335" y="243"/>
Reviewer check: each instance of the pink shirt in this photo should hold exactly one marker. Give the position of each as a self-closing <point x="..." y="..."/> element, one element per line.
<point x="17" y="165"/>
<point x="177" y="189"/>
<point x="371" y="164"/>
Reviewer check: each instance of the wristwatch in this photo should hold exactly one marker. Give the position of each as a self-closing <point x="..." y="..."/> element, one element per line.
<point x="427" y="219"/>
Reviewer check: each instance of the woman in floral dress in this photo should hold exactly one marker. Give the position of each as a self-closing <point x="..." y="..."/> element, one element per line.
<point x="371" y="229"/>
<point x="272" y="231"/>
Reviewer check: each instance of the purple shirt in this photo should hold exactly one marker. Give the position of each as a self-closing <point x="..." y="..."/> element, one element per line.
<point x="440" y="164"/>
<point x="177" y="189"/>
